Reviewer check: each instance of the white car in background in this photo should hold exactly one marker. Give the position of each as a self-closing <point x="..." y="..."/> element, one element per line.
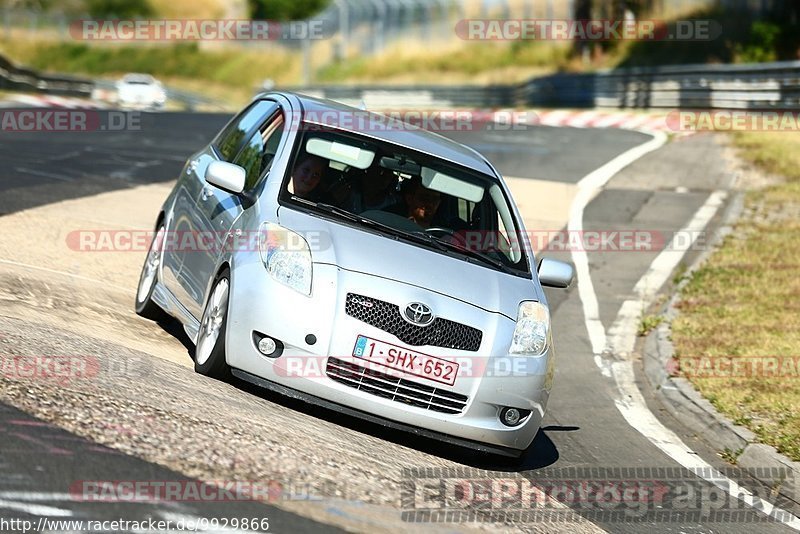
<point x="141" y="91"/>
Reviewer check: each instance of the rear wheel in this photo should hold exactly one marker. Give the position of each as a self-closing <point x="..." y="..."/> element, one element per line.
<point x="209" y="354"/>
<point x="149" y="277"/>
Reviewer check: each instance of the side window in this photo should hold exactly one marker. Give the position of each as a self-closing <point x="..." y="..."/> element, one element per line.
<point x="229" y="142"/>
<point x="465" y="208"/>
<point x="259" y="151"/>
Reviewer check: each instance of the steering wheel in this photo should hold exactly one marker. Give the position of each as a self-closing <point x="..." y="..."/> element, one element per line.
<point x="439" y="231"/>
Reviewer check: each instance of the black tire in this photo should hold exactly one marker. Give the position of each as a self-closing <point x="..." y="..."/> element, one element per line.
<point x="143" y="301"/>
<point x="210" y="360"/>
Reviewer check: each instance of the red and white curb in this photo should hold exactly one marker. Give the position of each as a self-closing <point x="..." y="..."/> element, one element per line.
<point x="624" y="120"/>
<point x="644" y="121"/>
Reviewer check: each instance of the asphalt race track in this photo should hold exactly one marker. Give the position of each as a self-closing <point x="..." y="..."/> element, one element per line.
<point x="147" y="416"/>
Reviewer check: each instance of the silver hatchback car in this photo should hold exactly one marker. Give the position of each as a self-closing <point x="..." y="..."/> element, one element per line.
<point x="362" y="264"/>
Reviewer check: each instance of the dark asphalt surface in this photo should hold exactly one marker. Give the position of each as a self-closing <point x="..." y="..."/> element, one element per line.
<point x="583" y="429"/>
<point x="50" y="469"/>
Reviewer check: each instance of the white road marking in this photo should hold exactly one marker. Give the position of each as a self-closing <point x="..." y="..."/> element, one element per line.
<point x="36" y="496"/>
<point x="622" y="333"/>
<point x="35" y="509"/>
<point x="588" y="187"/>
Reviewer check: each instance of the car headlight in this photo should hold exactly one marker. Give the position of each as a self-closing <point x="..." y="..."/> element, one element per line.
<point x="532" y="332"/>
<point x="287" y="257"/>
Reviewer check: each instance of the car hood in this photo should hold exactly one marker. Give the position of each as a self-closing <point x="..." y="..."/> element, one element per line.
<point x="369" y="253"/>
<point x="139" y="91"/>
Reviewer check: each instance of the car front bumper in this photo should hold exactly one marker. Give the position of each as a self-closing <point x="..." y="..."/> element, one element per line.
<point x="489" y="378"/>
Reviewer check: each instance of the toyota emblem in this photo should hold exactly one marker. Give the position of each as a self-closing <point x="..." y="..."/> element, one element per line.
<point x="418" y="314"/>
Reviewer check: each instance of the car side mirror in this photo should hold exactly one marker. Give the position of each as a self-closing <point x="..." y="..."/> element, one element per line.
<point x="226" y="176"/>
<point x="554" y="273"/>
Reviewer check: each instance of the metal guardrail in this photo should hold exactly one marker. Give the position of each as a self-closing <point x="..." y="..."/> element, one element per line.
<point x="751" y="86"/>
<point x="13" y="78"/>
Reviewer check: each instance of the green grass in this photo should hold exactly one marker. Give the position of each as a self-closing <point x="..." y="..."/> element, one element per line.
<point x="745" y="300"/>
<point x="462" y="61"/>
<point x="738" y="39"/>
<point x="228" y="76"/>
<point x="184" y="60"/>
<point x="447" y="61"/>
<point x="648" y="323"/>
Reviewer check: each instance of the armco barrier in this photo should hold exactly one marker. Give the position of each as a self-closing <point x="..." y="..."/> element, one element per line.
<point x="13" y="78"/>
<point x="750" y="86"/>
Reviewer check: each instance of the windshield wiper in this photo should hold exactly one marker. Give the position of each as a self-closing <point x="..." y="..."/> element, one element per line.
<point x="330" y="208"/>
<point x="350" y="216"/>
<point x="445" y="245"/>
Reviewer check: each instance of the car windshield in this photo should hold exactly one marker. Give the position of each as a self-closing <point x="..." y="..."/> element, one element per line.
<point x="422" y="199"/>
<point x="138" y="80"/>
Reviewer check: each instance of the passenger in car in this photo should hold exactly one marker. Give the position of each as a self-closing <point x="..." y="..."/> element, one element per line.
<point x="307" y="174"/>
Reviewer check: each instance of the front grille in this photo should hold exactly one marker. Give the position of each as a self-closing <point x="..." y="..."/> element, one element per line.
<point x="386" y="316"/>
<point x="395" y="388"/>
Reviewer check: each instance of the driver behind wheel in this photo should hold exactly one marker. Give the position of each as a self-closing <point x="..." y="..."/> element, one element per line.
<point x="421" y="202"/>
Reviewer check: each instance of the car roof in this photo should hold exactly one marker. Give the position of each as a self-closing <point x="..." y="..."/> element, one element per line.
<point x="398" y="133"/>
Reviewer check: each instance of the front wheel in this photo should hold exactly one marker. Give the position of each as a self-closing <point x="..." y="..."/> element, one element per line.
<point x="209" y="354"/>
<point x="145" y="306"/>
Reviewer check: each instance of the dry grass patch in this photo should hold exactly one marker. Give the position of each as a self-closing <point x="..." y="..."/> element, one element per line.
<point x="744" y="302"/>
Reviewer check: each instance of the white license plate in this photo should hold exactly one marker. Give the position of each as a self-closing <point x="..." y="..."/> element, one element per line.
<point x="408" y="361"/>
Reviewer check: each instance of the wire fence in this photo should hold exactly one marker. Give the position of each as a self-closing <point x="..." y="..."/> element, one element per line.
<point x="762" y="86"/>
<point x="358" y="28"/>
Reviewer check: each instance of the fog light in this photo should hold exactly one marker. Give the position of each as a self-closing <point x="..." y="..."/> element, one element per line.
<point x="267" y="346"/>
<point x="513" y="416"/>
